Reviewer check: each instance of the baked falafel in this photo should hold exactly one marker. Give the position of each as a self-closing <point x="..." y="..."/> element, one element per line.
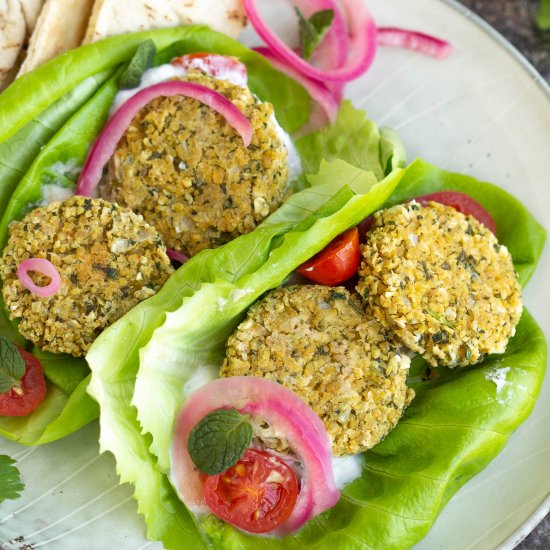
<point x="108" y="258"/>
<point x="187" y="171"/>
<point x="441" y="282"/>
<point x="316" y="341"/>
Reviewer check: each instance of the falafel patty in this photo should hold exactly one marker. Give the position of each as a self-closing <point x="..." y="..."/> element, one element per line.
<point x="316" y="341"/>
<point x="188" y="172"/>
<point x="109" y="259"/>
<point x="441" y="281"/>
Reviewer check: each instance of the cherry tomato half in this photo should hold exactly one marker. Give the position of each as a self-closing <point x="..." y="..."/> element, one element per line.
<point x="256" y="495"/>
<point x="23" y="399"/>
<point x="463" y="203"/>
<point x="336" y="263"/>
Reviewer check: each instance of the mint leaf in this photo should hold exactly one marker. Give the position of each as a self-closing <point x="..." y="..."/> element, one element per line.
<point x="12" y="366"/>
<point x="543" y="17"/>
<point x="313" y="30"/>
<point x="10" y="480"/>
<point x="143" y="59"/>
<point x="219" y="440"/>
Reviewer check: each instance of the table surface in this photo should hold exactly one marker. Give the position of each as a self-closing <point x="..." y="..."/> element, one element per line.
<point x="515" y="19"/>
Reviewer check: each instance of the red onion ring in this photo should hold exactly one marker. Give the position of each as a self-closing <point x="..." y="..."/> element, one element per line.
<point x="279" y="407"/>
<point x="318" y="91"/>
<point x="105" y="145"/>
<point x="362" y="42"/>
<point x="40" y="265"/>
<point x="177" y="256"/>
<point x="414" y="40"/>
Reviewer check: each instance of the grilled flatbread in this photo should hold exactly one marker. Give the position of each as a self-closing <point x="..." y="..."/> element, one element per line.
<point x="17" y="19"/>
<point x="110" y="17"/>
<point x="60" y="27"/>
<point x="31" y="10"/>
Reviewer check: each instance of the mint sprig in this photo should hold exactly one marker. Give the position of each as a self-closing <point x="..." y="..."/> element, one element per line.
<point x="313" y="30"/>
<point x="143" y="59"/>
<point x="10" y="479"/>
<point x="219" y="441"/>
<point x="12" y="366"/>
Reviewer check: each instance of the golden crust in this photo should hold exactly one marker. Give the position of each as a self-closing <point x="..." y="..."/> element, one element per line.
<point x="316" y="341"/>
<point x="187" y="171"/>
<point x="109" y="259"/>
<point x="441" y="282"/>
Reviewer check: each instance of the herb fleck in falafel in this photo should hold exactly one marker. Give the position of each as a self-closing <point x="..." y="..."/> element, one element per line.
<point x="109" y="259"/>
<point x="316" y="341"/>
<point x="441" y="282"/>
<point x="187" y="171"/>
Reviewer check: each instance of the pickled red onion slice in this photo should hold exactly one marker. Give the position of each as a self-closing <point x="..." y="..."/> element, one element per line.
<point x="361" y="38"/>
<point x="105" y="145"/>
<point x="43" y="266"/>
<point x="414" y="40"/>
<point x="286" y="413"/>
<point x="177" y="256"/>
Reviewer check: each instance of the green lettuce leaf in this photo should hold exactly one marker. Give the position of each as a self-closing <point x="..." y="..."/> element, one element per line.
<point x="67" y="149"/>
<point x="18" y="152"/>
<point x="355" y="139"/>
<point x="65" y="371"/>
<point x="176" y="340"/>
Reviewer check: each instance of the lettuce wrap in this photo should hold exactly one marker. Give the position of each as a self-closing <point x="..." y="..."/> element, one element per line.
<point x="143" y="365"/>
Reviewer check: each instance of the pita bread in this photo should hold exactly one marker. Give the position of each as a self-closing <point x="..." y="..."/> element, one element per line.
<point x="31" y="9"/>
<point x="60" y="27"/>
<point x="111" y="17"/>
<point x="13" y="31"/>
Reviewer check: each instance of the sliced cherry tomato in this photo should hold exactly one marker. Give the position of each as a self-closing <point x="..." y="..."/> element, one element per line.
<point x="218" y="66"/>
<point x="463" y="203"/>
<point x="256" y="495"/>
<point x="22" y="399"/>
<point x="336" y="263"/>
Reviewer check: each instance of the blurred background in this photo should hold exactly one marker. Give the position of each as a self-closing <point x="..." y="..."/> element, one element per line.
<point x="517" y="21"/>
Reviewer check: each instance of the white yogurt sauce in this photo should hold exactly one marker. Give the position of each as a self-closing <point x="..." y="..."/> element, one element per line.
<point x="51" y="192"/>
<point x="346" y="469"/>
<point x="294" y="161"/>
<point x="498" y="376"/>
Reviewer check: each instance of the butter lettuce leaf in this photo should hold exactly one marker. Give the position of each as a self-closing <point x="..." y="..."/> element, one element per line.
<point x="355" y="139"/>
<point x="145" y="364"/>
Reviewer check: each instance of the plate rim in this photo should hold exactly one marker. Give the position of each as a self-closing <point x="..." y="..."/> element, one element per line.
<point x="519" y="534"/>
